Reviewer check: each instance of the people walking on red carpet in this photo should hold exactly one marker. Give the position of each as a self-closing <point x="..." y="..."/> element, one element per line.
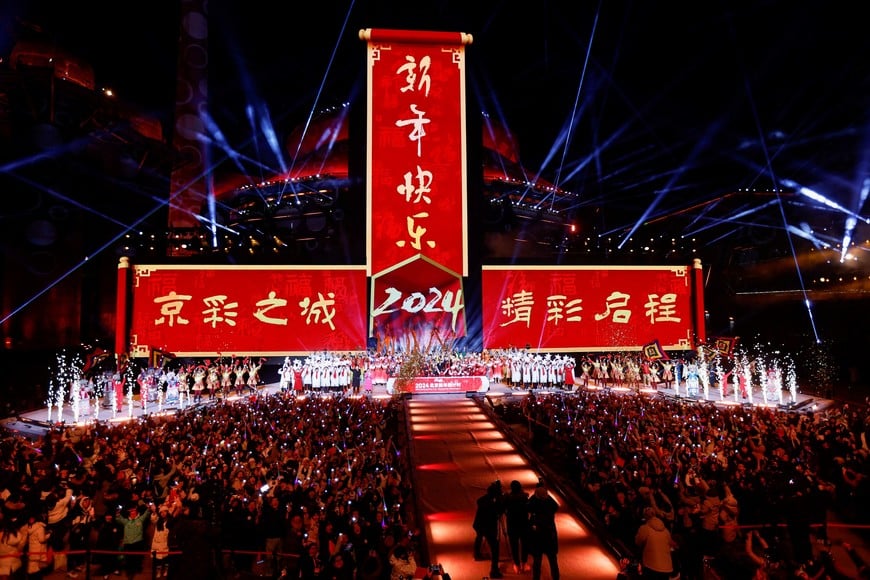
<point x="543" y="536"/>
<point x="490" y="508"/>
<point x="517" y="524"/>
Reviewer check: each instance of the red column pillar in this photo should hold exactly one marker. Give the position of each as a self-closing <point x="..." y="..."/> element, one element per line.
<point x="700" y="317"/>
<point x="121" y="300"/>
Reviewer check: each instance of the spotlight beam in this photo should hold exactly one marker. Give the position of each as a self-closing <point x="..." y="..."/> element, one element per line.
<point x="574" y="114"/>
<point x="500" y="115"/>
<point x="67" y="199"/>
<point x="56" y="194"/>
<point x="817" y="242"/>
<point x="733" y="218"/>
<point x="268" y="130"/>
<point x="319" y="91"/>
<point x="216" y="137"/>
<point x="781" y="205"/>
<point x="816" y="196"/>
<point x="81" y="263"/>
<point x="702" y="143"/>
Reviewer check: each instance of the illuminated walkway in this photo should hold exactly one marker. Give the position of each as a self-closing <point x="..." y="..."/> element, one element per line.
<point x="458" y="452"/>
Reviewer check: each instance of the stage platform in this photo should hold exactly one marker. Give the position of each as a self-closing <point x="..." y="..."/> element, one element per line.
<point x="35" y="423"/>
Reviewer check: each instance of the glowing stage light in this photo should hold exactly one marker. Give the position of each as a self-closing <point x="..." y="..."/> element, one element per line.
<point x="847" y="237"/>
<point x="816" y="196"/>
<point x="504" y="447"/>
<point x="446" y="466"/>
<point x="807" y="234"/>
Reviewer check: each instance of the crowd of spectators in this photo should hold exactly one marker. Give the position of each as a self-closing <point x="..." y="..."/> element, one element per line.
<point x="710" y="473"/>
<point x="318" y="487"/>
<point x="278" y="485"/>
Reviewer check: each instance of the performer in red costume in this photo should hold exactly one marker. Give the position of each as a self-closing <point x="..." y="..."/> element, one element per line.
<point x="118" y="382"/>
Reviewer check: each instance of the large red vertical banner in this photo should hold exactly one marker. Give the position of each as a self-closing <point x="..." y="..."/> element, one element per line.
<point x="121" y="315"/>
<point x="416" y="182"/>
<point x="416" y="148"/>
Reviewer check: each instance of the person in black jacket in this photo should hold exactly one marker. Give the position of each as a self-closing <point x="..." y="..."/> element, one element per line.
<point x="517" y="519"/>
<point x="490" y="508"/>
<point x="543" y="537"/>
<point x="272" y="523"/>
<point x="310" y="565"/>
<point x="108" y="545"/>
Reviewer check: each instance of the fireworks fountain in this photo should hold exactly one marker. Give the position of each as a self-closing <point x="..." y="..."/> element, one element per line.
<point x="67" y="371"/>
<point x="49" y="402"/>
<point x="792" y="384"/>
<point x="746" y="369"/>
<point x="75" y="398"/>
<point x="762" y="377"/>
<point x="777" y="383"/>
<point x="704" y="372"/>
<point x="130" y="399"/>
<point x="735" y="382"/>
<point x="113" y="395"/>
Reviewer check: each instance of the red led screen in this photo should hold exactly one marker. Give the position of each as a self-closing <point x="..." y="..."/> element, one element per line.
<point x="227" y="310"/>
<point x="587" y="308"/>
<point x="416" y="165"/>
<point x="417" y="305"/>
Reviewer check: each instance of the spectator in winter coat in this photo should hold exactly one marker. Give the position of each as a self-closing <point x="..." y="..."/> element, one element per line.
<point x="517" y="520"/>
<point x="109" y="536"/>
<point x="81" y="523"/>
<point x="402" y="563"/>
<point x="38" y="556"/>
<point x="133" y="524"/>
<point x="13" y="540"/>
<point x="709" y="512"/>
<point x="57" y="518"/>
<point x="160" y="539"/>
<point x="728" y="511"/>
<point x="543" y="535"/>
<point x="490" y="508"/>
<point x="654" y="540"/>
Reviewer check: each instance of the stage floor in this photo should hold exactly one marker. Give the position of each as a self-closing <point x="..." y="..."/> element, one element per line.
<point x="35" y="423"/>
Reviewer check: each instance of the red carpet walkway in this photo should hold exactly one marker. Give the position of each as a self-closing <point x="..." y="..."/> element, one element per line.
<point x="458" y="452"/>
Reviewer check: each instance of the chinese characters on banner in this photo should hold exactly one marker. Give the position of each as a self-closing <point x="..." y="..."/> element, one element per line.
<point x="587" y="308"/>
<point x="406" y="316"/>
<point x="230" y="310"/>
<point x="416" y="148"/>
<point x="416" y="178"/>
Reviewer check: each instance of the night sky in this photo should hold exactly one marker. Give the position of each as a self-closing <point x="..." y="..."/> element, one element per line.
<point x="617" y="100"/>
<point x="645" y="109"/>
